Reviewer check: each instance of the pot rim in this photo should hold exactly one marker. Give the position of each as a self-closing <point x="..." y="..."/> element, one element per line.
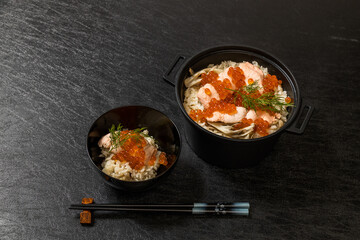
<point x="143" y="181"/>
<point x="255" y="51"/>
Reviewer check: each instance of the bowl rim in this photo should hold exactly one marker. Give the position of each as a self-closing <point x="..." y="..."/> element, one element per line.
<point x="142" y="181"/>
<point x="255" y="51"/>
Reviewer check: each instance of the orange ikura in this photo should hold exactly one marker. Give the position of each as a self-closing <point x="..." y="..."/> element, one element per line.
<point x="270" y="83"/>
<point x="207" y="91"/>
<point x="261" y="126"/>
<point x="133" y="151"/>
<point x="237" y="95"/>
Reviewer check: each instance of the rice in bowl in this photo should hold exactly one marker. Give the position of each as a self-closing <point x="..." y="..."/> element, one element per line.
<point x="130" y="155"/>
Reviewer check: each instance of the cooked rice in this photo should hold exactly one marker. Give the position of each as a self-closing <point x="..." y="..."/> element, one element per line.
<point x="123" y="171"/>
<point x="191" y="102"/>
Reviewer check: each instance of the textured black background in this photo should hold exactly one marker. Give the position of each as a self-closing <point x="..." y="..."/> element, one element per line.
<point x="63" y="63"/>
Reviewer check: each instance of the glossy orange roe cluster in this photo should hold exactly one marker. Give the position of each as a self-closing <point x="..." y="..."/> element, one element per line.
<point x="261" y="126"/>
<point x="228" y="102"/>
<point x="133" y="151"/>
<point x="270" y="83"/>
<point x="207" y="91"/>
<point x="220" y="86"/>
<point x="209" y="77"/>
<point x="226" y="107"/>
<point x="162" y="159"/>
<point x="214" y="106"/>
<point x="244" y="123"/>
<point x="238" y="77"/>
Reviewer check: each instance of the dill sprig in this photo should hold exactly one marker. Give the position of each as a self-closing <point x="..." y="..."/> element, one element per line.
<point x="267" y="102"/>
<point x="118" y="139"/>
<point x="252" y="88"/>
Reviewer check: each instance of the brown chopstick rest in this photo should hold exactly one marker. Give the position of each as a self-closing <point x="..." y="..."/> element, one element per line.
<point x="86" y="216"/>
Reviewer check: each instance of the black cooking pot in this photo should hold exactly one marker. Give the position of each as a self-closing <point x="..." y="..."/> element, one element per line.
<point x="227" y="152"/>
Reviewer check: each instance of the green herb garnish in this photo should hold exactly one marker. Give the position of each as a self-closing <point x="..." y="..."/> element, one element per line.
<point x="267" y="102"/>
<point x="118" y="139"/>
<point x="252" y="88"/>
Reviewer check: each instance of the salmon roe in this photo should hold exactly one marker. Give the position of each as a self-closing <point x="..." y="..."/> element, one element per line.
<point x="220" y="86"/>
<point x="208" y="78"/>
<point x="228" y="100"/>
<point x="227" y="107"/>
<point x="133" y="151"/>
<point x="244" y="123"/>
<point x="261" y="126"/>
<point x="238" y="77"/>
<point x="288" y="100"/>
<point x="270" y="83"/>
<point x="207" y="91"/>
<point x="162" y="159"/>
<point x="214" y="106"/>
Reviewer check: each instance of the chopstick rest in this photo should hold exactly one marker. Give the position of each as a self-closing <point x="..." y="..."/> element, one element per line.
<point x="85" y="215"/>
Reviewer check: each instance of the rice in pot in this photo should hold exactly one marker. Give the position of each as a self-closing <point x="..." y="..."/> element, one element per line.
<point x="241" y="123"/>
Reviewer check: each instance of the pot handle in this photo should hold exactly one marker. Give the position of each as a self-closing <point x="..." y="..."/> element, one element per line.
<point x="298" y="127"/>
<point x="167" y="74"/>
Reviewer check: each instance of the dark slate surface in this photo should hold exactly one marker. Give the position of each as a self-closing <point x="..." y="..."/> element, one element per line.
<point x="63" y="63"/>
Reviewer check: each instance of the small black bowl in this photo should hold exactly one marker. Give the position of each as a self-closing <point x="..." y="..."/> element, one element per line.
<point x="131" y="117"/>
